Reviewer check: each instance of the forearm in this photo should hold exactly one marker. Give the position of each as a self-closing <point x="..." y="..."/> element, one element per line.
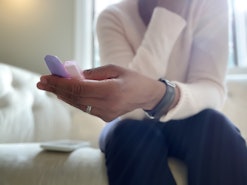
<point x="151" y="58"/>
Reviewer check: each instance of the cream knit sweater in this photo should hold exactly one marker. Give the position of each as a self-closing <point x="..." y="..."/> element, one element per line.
<point x="188" y="46"/>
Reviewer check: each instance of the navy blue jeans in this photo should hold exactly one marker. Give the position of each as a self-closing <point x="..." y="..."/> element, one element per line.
<point x="210" y="145"/>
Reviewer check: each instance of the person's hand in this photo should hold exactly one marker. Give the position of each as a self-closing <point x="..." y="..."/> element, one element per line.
<point x="111" y="91"/>
<point x="146" y="8"/>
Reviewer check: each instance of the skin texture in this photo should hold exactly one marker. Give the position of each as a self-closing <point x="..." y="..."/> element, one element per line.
<point x="111" y="91"/>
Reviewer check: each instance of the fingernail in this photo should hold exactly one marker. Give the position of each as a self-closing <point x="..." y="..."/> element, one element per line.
<point x="40" y="86"/>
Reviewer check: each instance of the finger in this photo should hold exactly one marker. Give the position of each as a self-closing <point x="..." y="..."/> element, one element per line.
<point x="82" y="102"/>
<point x="98" y="108"/>
<point x="45" y="84"/>
<point x="104" y="72"/>
<point x="95" y="110"/>
<point x="70" y="87"/>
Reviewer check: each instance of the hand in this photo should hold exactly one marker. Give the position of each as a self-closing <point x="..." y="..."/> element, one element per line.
<point x="111" y="91"/>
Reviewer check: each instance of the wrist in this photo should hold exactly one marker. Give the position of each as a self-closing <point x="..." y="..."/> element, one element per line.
<point x="154" y="96"/>
<point x="167" y="101"/>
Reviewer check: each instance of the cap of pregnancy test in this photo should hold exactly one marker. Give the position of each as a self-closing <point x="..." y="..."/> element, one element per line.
<point x="74" y="70"/>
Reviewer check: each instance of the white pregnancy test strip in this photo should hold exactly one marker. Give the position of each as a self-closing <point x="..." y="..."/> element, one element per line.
<point x="73" y="70"/>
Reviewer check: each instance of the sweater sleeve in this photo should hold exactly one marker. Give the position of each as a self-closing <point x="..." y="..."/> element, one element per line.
<point x="151" y="57"/>
<point x="205" y="84"/>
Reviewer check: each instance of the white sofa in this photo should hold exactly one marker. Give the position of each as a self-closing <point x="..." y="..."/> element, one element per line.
<point x="29" y="116"/>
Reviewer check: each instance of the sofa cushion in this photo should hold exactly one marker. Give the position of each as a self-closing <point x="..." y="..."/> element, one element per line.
<point x="235" y="107"/>
<point x="28" y="164"/>
<point x="26" y="113"/>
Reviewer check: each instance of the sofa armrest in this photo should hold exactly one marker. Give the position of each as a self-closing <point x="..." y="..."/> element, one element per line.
<point x="236" y="103"/>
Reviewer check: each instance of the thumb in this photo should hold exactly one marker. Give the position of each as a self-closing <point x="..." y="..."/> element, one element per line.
<point x="103" y="73"/>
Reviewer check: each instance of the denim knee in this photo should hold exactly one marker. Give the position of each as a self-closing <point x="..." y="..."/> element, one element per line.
<point x="106" y="133"/>
<point x="121" y="130"/>
<point x="113" y="128"/>
<point x="212" y="119"/>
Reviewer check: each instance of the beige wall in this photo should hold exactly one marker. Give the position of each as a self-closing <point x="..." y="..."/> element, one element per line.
<point x="30" y="29"/>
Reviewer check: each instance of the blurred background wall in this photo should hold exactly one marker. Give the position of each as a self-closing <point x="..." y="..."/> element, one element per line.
<point x="30" y="29"/>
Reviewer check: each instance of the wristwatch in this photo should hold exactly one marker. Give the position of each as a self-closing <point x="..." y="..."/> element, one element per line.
<point x="162" y="107"/>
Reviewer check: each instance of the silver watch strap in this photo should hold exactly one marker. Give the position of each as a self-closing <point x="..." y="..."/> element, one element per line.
<point x="163" y="106"/>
